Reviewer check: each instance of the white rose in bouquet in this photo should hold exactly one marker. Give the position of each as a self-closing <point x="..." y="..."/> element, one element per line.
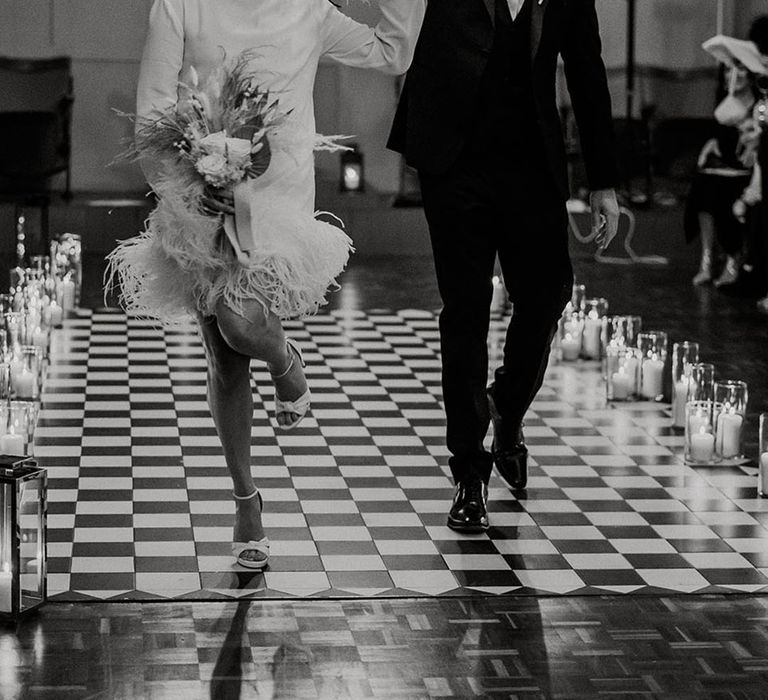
<point x="239" y="152"/>
<point x="214" y="143"/>
<point x="215" y="169"/>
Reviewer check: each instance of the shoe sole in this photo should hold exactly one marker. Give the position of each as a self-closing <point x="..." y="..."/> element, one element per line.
<point x="461" y="527"/>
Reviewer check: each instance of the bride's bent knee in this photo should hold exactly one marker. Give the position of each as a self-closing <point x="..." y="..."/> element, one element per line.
<point x="249" y="333"/>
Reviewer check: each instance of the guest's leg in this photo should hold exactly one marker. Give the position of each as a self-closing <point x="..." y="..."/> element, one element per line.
<point x="707" y="229"/>
<point x="461" y="230"/>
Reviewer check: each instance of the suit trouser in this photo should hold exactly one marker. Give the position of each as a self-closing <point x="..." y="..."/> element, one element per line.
<point x="485" y="205"/>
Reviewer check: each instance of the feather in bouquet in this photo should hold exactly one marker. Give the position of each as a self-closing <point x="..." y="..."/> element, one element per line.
<point x="215" y="139"/>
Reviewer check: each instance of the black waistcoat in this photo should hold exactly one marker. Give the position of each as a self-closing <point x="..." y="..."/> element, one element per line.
<point x="507" y="106"/>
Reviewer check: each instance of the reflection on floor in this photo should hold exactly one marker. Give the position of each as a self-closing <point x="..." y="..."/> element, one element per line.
<point x="684" y="648"/>
<point x="356" y="498"/>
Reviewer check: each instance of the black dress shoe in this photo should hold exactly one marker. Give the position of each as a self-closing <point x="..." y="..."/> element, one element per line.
<point x="469" y="512"/>
<point x="508" y="449"/>
<point x="512" y="464"/>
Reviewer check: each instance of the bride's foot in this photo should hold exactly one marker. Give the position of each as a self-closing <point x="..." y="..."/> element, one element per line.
<point x="250" y="546"/>
<point x="292" y="397"/>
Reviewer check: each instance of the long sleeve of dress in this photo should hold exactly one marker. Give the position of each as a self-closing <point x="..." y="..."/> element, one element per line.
<point x="388" y="46"/>
<point x="162" y="60"/>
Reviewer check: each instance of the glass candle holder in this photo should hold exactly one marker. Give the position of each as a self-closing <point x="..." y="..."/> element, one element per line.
<point x="66" y="263"/>
<point x="684" y="355"/>
<point x="620" y="373"/>
<point x="14" y="428"/>
<point x="578" y="295"/>
<point x="729" y="415"/>
<point x="6" y="304"/>
<point x="594" y="311"/>
<point x="619" y="331"/>
<point x="762" y="457"/>
<point x="652" y="347"/>
<point x="571" y="330"/>
<point x="699" y="434"/>
<point x="5" y="381"/>
<point x="702" y="382"/>
<point x="26" y="373"/>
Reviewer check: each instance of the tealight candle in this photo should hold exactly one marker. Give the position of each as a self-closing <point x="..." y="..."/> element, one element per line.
<point x="570" y="347"/>
<point x="702" y="446"/>
<point x="678" y="403"/>
<point x="729" y="435"/>
<point x="652" y="378"/>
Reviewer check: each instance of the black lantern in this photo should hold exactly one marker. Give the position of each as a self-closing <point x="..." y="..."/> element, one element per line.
<point x="23" y="501"/>
<point x="352" y="170"/>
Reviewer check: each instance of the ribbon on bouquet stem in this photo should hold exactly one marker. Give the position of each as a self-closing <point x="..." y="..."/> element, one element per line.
<point x="240" y="227"/>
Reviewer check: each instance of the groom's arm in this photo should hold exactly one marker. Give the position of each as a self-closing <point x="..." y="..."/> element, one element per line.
<point x="388" y="46"/>
<point x="591" y="100"/>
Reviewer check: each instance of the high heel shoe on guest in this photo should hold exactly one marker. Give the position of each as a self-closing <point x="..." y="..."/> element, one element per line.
<point x="261" y="547"/>
<point x="298" y="406"/>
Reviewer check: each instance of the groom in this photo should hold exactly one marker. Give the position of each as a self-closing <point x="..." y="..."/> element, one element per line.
<point x="478" y="120"/>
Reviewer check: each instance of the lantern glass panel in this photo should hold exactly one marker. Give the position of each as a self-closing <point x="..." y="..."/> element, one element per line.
<point x="31" y="542"/>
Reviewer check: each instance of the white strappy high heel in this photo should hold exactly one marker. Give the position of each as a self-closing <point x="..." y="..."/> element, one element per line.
<point x="298" y="406"/>
<point x="261" y="546"/>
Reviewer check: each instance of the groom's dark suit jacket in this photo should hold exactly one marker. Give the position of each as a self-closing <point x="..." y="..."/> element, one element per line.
<point x="434" y="118"/>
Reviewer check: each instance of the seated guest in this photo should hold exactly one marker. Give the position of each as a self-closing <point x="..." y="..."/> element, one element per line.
<point x="725" y="165"/>
<point x="720" y="180"/>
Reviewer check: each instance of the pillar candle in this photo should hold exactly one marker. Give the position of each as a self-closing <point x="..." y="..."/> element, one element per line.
<point x="622" y="385"/>
<point x="67" y="295"/>
<point x="12" y="444"/>
<point x="591" y="345"/>
<point x="24" y="384"/>
<point x="729" y="434"/>
<point x="702" y="446"/>
<point x="632" y="368"/>
<point x="56" y="314"/>
<point x="570" y="347"/>
<point x="652" y="378"/>
<point x="6" y="591"/>
<point x="678" y="403"/>
<point x="40" y="338"/>
<point x="763" y="486"/>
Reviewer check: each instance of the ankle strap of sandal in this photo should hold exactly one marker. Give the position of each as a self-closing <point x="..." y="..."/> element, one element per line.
<point x="245" y="498"/>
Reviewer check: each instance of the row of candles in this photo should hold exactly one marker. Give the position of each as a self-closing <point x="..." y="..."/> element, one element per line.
<point x="39" y="298"/>
<point x="635" y="364"/>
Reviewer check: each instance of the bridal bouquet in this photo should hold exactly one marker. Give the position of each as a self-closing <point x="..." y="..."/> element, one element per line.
<point x="216" y="138"/>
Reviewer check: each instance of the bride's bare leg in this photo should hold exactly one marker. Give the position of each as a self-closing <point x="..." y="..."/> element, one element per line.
<point x="231" y="340"/>
<point x="231" y="403"/>
<point x="259" y="334"/>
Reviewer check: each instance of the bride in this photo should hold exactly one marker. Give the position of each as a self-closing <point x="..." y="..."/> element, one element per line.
<point x="240" y="298"/>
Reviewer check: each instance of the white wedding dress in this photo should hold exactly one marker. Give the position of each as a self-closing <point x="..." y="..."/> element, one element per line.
<point x="179" y="264"/>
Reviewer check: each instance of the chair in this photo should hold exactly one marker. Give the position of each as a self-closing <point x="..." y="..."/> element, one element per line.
<point x="36" y="97"/>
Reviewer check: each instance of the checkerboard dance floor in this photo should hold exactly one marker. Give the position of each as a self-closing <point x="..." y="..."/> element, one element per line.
<point x="356" y="498"/>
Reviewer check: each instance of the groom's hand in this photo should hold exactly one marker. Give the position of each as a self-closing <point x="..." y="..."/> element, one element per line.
<point x="605" y="216"/>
